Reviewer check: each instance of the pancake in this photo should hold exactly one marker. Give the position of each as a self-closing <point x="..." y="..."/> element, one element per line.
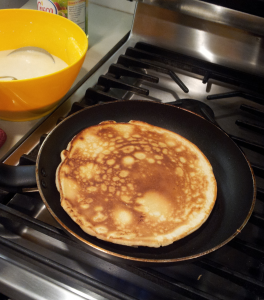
<point x="135" y="184"/>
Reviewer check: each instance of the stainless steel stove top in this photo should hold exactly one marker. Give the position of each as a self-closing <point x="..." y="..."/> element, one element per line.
<point x="52" y="266"/>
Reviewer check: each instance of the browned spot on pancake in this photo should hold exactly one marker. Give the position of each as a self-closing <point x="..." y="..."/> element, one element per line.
<point x="128" y="160"/>
<point x="140" y="155"/>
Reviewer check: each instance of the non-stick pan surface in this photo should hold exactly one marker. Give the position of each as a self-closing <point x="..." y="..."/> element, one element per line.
<point x="235" y="180"/>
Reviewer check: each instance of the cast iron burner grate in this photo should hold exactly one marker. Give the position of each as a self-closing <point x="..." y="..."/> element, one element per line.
<point x="236" y="270"/>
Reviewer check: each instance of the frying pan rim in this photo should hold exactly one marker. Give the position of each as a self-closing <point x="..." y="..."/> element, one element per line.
<point x="131" y="258"/>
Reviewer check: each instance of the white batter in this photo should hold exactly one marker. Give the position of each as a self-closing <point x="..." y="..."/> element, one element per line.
<point x="28" y="64"/>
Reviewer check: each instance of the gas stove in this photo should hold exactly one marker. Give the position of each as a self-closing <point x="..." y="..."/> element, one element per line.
<point x="174" y="57"/>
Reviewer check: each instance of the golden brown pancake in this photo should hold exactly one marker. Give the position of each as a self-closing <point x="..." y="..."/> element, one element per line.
<point x="135" y="184"/>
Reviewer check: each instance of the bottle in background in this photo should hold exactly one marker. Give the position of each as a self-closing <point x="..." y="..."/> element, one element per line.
<point x="74" y="10"/>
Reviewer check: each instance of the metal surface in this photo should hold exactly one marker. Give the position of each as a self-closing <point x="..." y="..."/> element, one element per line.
<point x="30" y="285"/>
<point x="33" y="49"/>
<point x="213" y="13"/>
<point x="5" y="4"/>
<point x="227" y="43"/>
<point x="218" y="42"/>
<point x="6" y="77"/>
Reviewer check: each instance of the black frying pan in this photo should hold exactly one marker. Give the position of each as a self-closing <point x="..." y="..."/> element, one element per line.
<point x="235" y="180"/>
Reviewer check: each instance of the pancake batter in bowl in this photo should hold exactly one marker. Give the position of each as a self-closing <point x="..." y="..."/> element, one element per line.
<point x="28" y="64"/>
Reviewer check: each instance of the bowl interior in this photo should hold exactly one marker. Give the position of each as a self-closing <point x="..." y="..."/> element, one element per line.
<point x="58" y="35"/>
<point x="28" y="99"/>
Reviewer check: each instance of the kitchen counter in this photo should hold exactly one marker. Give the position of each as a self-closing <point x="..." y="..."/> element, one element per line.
<point x="106" y="27"/>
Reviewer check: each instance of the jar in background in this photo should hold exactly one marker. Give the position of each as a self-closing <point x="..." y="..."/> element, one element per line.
<point x="74" y="10"/>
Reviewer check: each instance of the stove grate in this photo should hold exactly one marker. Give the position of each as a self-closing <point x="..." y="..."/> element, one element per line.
<point x="251" y="284"/>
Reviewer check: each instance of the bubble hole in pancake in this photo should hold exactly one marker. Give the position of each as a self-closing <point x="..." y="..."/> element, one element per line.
<point x="135" y="184"/>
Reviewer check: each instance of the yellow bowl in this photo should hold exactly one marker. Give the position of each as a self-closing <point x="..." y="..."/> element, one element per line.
<point x="22" y="100"/>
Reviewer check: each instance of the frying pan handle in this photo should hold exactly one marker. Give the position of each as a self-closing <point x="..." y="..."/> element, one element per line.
<point x="208" y="117"/>
<point x="14" y="177"/>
